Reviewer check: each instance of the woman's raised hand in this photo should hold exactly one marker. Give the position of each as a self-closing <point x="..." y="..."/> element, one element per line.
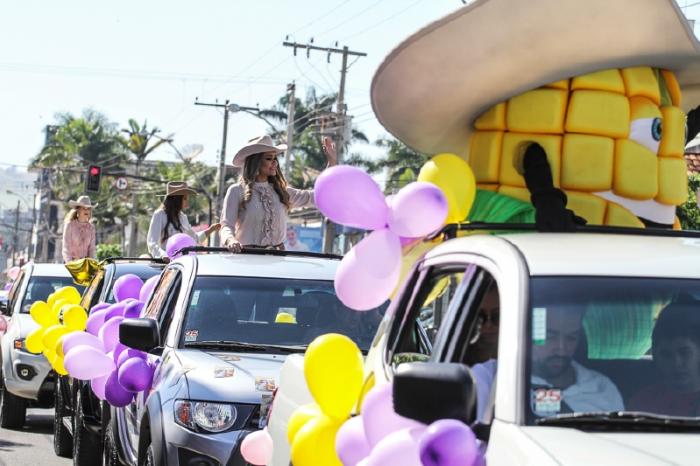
<point x="329" y="149"/>
<point x="213" y="228"/>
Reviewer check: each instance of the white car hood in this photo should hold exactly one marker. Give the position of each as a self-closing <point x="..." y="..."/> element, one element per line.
<point x="574" y="447"/>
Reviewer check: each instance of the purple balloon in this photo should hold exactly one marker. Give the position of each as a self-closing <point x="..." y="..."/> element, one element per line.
<point x="118" y="350"/>
<point x="177" y="242"/>
<point x="115" y="393"/>
<point x="133" y="310"/>
<point x="99" y="306"/>
<point x="86" y="362"/>
<point x="98" y="386"/>
<point x="147" y="288"/>
<point x="400" y="447"/>
<point x="349" y="196"/>
<point x="127" y="286"/>
<point x="95" y="321"/>
<point x="109" y="333"/>
<point x="135" y="375"/>
<point x="115" y="310"/>
<point x="418" y="209"/>
<point x="129" y="354"/>
<point x="379" y="418"/>
<point x="448" y="442"/>
<point x="7" y="286"/>
<point x="74" y="339"/>
<point x="350" y="442"/>
<point x="370" y="271"/>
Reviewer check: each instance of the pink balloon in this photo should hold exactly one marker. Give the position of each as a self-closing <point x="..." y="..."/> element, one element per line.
<point x="99" y="306"/>
<point x="115" y="310"/>
<point x="75" y="339"/>
<point x="351" y="442"/>
<point x="98" y="386"/>
<point x="449" y="442"/>
<point x="418" y="209"/>
<point x="349" y="196"/>
<point x="135" y="375"/>
<point x="95" y="321"/>
<point x="86" y="362"/>
<point x="256" y="447"/>
<point x="177" y="242"/>
<point x="3" y="324"/>
<point x="379" y="418"/>
<point x="109" y="333"/>
<point x="370" y="271"/>
<point x="400" y="447"/>
<point x="127" y="286"/>
<point x="147" y="288"/>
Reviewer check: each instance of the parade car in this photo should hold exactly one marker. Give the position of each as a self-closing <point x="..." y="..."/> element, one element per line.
<point x="77" y="428"/>
<point x="557" y="348"/>
<point x="221" y="325"/>
<point x="26" y="379"/>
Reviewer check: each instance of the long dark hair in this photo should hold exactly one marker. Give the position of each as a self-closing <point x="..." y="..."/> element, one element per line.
<point x="172" y="205"/>
<point x="251" y="168"/>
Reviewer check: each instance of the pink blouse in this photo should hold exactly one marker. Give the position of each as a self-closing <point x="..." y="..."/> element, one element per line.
<point x="78" y="240"/>
<point x="264" y="220"/>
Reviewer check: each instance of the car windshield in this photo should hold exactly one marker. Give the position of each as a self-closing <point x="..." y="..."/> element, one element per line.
<point x="39" y="289"/>
<point x="272" y="311"/>
<point x="611" y="345"/>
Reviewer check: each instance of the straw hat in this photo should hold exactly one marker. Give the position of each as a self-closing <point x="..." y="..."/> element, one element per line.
<point x="83" y="201"/>
<point x="257" y="145"/>
<point x="431" y="88"/>
<point x="178" y="188"/>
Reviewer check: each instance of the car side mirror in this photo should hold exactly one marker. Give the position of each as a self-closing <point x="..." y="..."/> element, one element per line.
<point x="5" y="309"/>
<point x="428" y="391"/>
<point x="141" y="334"/>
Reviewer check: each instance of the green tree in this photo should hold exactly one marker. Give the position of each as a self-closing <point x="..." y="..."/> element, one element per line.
<point x="688" y="212"/>
<point x="106" y="250"/>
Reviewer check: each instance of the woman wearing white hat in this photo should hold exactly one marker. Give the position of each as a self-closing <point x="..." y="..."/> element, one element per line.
<point x="170" y="219"/>
<point x="255" y="209"/>
<point x="78" y="232"/>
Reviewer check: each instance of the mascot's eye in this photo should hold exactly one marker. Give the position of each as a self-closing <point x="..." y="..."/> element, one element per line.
<point x="647" y="132"/>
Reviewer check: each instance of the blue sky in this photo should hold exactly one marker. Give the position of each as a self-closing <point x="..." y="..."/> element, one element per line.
<point x="151" y="59"/>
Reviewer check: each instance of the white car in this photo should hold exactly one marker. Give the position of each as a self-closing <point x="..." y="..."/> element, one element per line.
<point x="26" y="379"/>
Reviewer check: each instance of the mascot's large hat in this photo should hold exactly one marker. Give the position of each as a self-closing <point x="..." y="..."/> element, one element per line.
<point x="431" y="88"/>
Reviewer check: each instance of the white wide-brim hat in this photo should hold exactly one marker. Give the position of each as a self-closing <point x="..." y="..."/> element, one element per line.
<point x="258" y="145"/>
<point x="83" y="201"/>
<point x="431" y="88"/>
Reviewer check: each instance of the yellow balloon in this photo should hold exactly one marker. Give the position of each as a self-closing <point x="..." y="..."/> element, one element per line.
<point x="42" y="315"/>
<point x="51" y="336"/>
<point x="299" y="417"/>
<point x="74" y="317"/>
<point x="58" y="349"/>
<point x="409" y="258"/>
<point x="455" y="178"/>
<point x="49" y="354"/>
<point x="314" y="444"/>
<point x="57" y="364"/>
<point x="52" y="299"/>
<point x="333" y="372"/>
<point x="33" y="342"/>
<point x="285" y="318"/>
<point x="57" y="306"/>
<point x="69" y="293"/>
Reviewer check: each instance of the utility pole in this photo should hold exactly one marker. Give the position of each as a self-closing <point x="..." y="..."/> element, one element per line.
<point x="329" y="227"/>
<point x="221" y="174"/>
<point x="15" y="237"/>
<point x="291" y="88"/>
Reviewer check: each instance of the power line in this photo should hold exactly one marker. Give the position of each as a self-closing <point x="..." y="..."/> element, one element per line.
<point x="404" y="10"/>
<point x="347" y="20"/>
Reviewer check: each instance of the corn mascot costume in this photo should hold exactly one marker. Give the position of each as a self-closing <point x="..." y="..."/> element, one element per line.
<point x="577" y="107"/>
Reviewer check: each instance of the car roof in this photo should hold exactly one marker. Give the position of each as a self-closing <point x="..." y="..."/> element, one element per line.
<point x="590" y="254"/>
<point x="48" y="270"/>
<point x="263" y="265"/>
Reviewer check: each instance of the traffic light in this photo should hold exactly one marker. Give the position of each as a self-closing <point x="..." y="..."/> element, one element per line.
<point x="92" y="183"/>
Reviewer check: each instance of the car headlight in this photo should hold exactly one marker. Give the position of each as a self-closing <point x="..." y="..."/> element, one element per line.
<point x="210" y="417"/>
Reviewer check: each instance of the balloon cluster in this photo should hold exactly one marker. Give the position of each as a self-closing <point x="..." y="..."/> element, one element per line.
<point x="370" y="271"/>
<point x="115" y="371"/>
<point x="379" y="437"/>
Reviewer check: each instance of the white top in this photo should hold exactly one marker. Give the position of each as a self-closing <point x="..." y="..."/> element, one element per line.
<point x="157" y="248"/>
<point x="592" y="391"/>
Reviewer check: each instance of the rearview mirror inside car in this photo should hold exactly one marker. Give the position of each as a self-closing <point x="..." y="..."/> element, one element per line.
<point x="427" y="392"/>
<point x="140" y="334"/>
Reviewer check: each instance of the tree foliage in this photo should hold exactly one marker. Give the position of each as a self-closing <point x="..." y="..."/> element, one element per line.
<point x="688" y="212"/>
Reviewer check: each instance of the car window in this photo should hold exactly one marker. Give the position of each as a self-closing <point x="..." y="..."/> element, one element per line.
<point x="273" y="311"/>
<point x="613" y="344"/>
<point x="39" y="289"/>
<point x="166" y="315"/>
<point x="160" y="294"/>
<point x="14" y="290"/>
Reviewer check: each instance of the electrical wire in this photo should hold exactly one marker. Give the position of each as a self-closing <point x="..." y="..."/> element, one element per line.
<point x="404" y="10"/>
<point x="347" y="20"/>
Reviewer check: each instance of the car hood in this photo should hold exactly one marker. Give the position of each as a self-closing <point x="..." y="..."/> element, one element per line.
<point x="25" y="324"/>
<point x="569" y="446"/>
<point x="229" y="376"/>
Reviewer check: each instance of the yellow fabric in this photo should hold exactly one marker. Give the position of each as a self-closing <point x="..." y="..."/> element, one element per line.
<point x="598" y="112"/>
<point x="641" y="81"/>
<point x="606" y="80"/>
<point x="538" y="111"/>
<point x="493" y="119"/>
<point x="82" y="270"/>
<point x="636" y="173"/>
<point x="486" y="147"/>
<point x="587" y="162"/>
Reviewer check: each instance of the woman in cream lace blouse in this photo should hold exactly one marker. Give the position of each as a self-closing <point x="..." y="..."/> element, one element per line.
<point x="255" y="209"/>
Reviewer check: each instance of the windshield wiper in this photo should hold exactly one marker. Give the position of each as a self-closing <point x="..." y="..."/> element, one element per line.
<point x="242" y="346"/>
<point x="623" y="420"/>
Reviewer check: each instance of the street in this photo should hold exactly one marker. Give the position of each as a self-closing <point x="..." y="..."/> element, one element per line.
<point x="33" y="444"/>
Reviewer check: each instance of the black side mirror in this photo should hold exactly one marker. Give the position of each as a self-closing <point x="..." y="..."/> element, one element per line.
<point x="140" y="334"/>
<point x="427" y="392"/>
